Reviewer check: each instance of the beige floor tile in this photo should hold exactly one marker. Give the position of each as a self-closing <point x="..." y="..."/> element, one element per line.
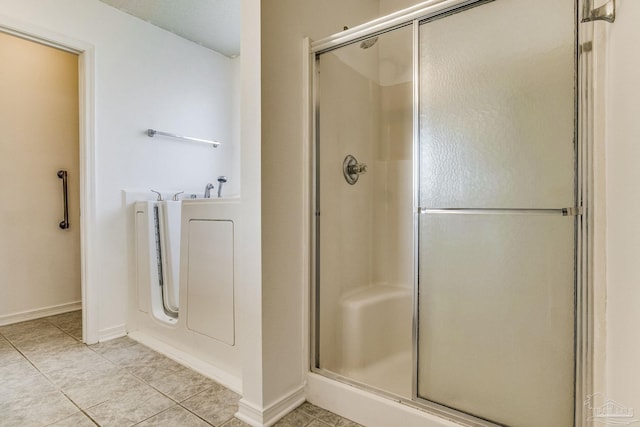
<point x="216" y="405"/>
<point x="130" y="356"/>
<point x="234" y="422"/>
<point x="101" y="388"/>
<point x="76" y="420"/>
<point x="296" y="418"/>
<point x="183" y="384"/>
<point x="319" y="413"/>
<point x="73" y="355"/>
<point x="36" y="409"/>
<point x="4" y="343"/>
<point x="68" y="320"/>
<point x="75" y="333"/>
<point x="155" y="368"/>
<point x="84" y="371"/>
<point x="25" y="386"/>
<point x="172" y="417"/>
<point x="19" y="329"/>
<point x="114" y="344"/>
<point x="21" y="333"/>
<point x="8" y="354"/>
<point x="130" y="408"/>
<point x="347" y="423"/>
<point x="49" y="374"/>
<point x="16" y="371"/>
<point x="46" y="343"/>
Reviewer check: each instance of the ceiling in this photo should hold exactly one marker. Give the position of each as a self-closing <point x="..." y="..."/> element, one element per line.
<point x="214" y="24"/>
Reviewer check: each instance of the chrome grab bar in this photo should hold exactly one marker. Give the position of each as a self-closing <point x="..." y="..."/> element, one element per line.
<point x="493" y="211"/>
<point x="64" y="224"/>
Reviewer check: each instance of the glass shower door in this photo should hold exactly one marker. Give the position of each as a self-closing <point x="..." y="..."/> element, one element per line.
<point x="364" y="222"/>
<point x="497" y="171"/>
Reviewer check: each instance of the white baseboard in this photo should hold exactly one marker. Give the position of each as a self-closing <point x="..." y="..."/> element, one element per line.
<point x="112" y="333"/>
<point x="38" y="313"/>
<point x="257" y="417"/>
<point x="367" y="408"/>
<point x="208" y="370"/>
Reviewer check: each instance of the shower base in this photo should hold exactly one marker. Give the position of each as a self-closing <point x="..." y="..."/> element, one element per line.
<point x="392" y="374"/>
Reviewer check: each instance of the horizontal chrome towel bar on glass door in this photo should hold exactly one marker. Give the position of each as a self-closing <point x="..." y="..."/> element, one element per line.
<point x="152" y="132"/>
<point x="492" y="211"/>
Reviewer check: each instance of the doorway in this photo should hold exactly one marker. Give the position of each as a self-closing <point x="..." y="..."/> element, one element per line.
<point x="40" y="170"/>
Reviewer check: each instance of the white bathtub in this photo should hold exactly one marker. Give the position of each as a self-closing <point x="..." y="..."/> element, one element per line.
<point x="375" y="324"/>
<point x="201" y="257"/>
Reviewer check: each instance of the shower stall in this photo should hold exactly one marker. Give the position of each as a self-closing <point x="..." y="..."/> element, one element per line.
<point x="449" y="210"/>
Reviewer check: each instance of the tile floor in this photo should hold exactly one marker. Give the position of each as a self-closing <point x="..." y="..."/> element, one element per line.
<point x="48" y="377"/>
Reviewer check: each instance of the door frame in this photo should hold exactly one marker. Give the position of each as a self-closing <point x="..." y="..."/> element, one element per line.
<point x="86" y="132"/>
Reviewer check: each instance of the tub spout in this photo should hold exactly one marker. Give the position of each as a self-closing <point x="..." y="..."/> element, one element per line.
<point x="207" y="191"/>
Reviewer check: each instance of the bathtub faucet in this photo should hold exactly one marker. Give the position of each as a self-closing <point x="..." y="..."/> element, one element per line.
<point x="221" y="180"/>
<point x="207" y="191"/>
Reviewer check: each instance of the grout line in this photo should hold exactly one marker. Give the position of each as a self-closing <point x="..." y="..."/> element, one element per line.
<point x="177" y="404"/>
<point x="151" y="416"/>
<point x="24" y="356"/>
<point x="188" y="410"/>
<point x="59" y="327"/>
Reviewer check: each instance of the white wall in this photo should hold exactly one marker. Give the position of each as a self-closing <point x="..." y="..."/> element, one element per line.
<point x="249" y="315"/>
<point x="284" y="254"/>
<point x="623" y="205"/>
<point x="145" y="77"/>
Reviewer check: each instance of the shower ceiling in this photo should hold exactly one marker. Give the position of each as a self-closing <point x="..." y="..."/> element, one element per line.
<point x="214" y="24"/>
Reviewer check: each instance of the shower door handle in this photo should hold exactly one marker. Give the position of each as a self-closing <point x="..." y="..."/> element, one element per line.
<point x="64" y="224"/>
<point x="571" y="211"/>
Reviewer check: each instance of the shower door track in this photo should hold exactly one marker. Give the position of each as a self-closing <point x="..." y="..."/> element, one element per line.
<point x="419" y="12"/>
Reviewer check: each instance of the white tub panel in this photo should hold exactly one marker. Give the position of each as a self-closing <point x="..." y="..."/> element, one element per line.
<point x="210" y="279"/>
<point x="212" y="357"/>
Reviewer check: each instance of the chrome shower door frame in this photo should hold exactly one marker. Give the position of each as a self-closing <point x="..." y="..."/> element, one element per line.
<point x="585" y="64"/>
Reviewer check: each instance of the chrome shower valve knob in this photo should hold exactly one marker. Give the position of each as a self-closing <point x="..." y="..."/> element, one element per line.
<point x="357" y="169"/>
<point x="352" y="170"/>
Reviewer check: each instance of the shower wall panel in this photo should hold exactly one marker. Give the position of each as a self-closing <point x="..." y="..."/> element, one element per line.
<point x="393" y="200"/>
